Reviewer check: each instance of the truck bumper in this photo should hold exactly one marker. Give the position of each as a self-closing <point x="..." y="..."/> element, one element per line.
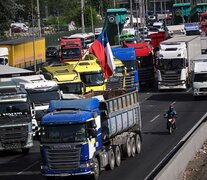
<point x="165" y="87"/>
<point x="199" y="94"/>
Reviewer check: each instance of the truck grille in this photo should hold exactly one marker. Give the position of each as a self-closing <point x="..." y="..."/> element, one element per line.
<point x="130" y="80"/>
<point x="203" y="89"/>
<point x="13" y="137"/>
<point x="63" y="156"/>
<point x="115" y="84"/>
<point x="146" y="75"/>
<point x="171" y="79"/>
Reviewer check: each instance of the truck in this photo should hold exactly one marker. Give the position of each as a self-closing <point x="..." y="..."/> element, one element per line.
<point x="128" y="57"/>
<point x="192" y="29"/>
<point x="203" y="23"/>
<point x="114" y="23"/>
<point x="145" y="61"/>
<point x="91" y="74"/>
<point x="174" y="61"/>
<point x="66" y="77"/>
<point x="40" y="92"/>
<point x="82" y="137"/>
<point x="174" y="30"/>
<point x="25" y="52"/>
<point x="203" y="44"/>
<point x="16" y="115"/>
<point x="199" y="76"/>
<point x="3" y="56"/>
<point x="71" y="49"/>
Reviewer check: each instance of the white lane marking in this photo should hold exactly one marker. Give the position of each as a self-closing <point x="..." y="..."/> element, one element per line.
<point x="189" y="90"/>
<point x="15" y="173"/>
<point x="155" y="118"/>
<point x="173" y="103"/>
<point x="28" y="167"/>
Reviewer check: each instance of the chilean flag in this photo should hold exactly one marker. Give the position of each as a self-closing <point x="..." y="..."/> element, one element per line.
<point x="102" y="50"/>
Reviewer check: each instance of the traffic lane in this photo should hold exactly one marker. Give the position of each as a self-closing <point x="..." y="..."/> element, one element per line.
<point x="157" y="143"/>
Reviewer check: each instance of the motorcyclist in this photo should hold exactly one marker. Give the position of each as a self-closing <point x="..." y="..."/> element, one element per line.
<point x="171" y="113"/>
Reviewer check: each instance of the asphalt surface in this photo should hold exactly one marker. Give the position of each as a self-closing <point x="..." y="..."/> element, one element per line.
<point x="156" y="141"/>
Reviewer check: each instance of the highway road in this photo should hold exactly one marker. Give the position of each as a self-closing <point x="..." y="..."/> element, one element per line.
<point x="156" y="141"/>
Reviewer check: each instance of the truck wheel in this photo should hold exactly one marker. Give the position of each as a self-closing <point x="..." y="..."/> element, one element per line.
<point x="111" y="159"/>
<point x="138" y="144"/>
<point x="133" y="147"/>
<point x="96" y="174"/>
<point x="25" y="150"/>
<point x="117" y="153"/>
<point x="127" y="148"/>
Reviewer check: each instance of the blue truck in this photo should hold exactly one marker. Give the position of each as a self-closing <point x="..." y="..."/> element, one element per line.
<point x="84" y="136"/>
<point x="128" y="57"/>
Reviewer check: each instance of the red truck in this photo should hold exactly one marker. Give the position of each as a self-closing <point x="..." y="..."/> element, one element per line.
<point x="203" y="23"/>
<point x="71" y="50"/>
<point x="145" y="62"/>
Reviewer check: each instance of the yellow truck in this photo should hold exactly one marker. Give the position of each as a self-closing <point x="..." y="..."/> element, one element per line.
<point x="25" y="52"/>
<point x="66" y="77"/>
<point x="91" y="74"/>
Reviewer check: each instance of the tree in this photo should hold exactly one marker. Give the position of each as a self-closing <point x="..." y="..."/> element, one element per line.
<point x="8" y="12"/>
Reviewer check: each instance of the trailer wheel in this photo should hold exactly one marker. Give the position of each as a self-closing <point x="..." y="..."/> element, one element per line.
<point x="133" y="147"/>
<point x="138" y="144"/>
<point x="117" y="153"/>
<point x="96" y="174"/>
<point x="127" y="148"/>
<point x="111" y="159"/>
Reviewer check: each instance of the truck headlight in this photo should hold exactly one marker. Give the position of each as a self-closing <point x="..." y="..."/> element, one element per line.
<point x="159" y="82"/>
<point x="87" y="165"/>
<point x="44" y="167"/>
<point x="183" y="82"/>
<point x="195" y="90"/>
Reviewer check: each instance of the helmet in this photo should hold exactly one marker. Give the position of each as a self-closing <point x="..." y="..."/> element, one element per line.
<point x="171" y="108"/>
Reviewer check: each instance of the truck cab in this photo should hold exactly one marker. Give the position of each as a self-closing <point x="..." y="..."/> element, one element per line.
<point x="91" y="74"/>
<point x="172" y="65"/>
<point x="66" y="77"/>
<point x="40" y="91"/>
<point x="16" y="115"/>
<point x="70" y="49"/>
<point x="199" y="76"/>
<point x="192" y="29"/>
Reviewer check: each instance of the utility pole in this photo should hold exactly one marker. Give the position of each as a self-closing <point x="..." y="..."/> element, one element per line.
<point x="38" y="19"/>
<point x="34" y="50"/>
<point x="154" y="8"/>
<point x="82" y="16"/>
<point x="92" y="26"/>
<point x="131" y="14"/>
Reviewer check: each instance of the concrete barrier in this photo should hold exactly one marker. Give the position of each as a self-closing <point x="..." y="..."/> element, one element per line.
<point x="177" y="165"/>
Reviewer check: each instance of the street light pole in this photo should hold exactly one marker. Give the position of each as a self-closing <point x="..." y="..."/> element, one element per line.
<point x="34" y="50"/>
<point x="82" y="16"/>
<point x="38" y="19"/>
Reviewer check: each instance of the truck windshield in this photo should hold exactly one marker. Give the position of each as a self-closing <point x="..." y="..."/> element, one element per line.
<point x="130" y="65"/>
<point x="14" y="109"/>
<point x="171" y="64"/>
<point x="43" y="96"/>
<point x="71" y="53"/>
<point x="146" y="61"/>
<point x="92" y="79"/>
<point x="63" y="133"/>
<point x="200" y="77"/>
<point x="75" y="88"/>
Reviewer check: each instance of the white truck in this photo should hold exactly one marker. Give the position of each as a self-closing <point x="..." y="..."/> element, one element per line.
<point x="204" y="44"/>
<point x="199" y="76"/>
<point x="174" y="30"/>
<point x="41" y="92"/>
<point x="174" y="61"/>
<point x="3" y="56"/>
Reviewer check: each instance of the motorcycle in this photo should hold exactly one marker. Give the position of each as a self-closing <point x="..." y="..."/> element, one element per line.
<point x="171" y="125"/>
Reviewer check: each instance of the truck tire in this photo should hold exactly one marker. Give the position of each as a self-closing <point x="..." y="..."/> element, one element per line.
<point x="111" y="160"/>
<point x="133" y="147"/>
<point x="127" y="148"/>
<point x="117" y="153"/>
<point x="25" y="150"/>
<point x="97" y="171"/>
<point x="138" y="143"/>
